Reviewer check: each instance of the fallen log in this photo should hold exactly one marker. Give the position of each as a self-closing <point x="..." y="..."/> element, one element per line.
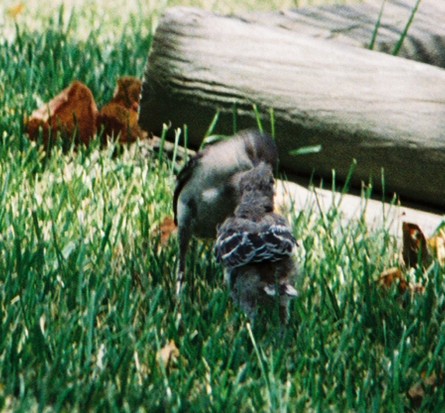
<point x="356" y="24"/>
<point x="388" y="113"/>
<point x="377" y="215"/>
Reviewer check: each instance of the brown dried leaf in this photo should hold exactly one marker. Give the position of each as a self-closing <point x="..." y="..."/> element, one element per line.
<point x="414" y="243"/>
<point x="116" y="120"/>
<point x="120" y="116"/>
<point x="432" y="380"/>
<point x="391" y="276"/>
<point x="416" y="393"/>
<point x="167" y="228"/>
<point x="394" y="275"/>
<point x="128" y="92"/>
<point x="72" y="113"/>
<point x="168" y="354"/>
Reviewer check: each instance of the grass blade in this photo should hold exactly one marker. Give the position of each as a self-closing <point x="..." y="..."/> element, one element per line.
<point x="377" y="26"/>
<point x="306" y="150"/>
<point x="399" y="44"/>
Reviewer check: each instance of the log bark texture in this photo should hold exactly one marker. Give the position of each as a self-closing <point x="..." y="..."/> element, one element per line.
<point x="386" y="112"/>
<point x="355" y="24"/>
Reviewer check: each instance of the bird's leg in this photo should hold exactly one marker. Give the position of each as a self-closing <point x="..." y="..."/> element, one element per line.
<point x="284" y="314"/>
<point x="184" y="236"/>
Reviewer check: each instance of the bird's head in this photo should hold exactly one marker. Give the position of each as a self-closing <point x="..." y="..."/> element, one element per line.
<point x="256" y="192"/>
<point x="259" y="179"/>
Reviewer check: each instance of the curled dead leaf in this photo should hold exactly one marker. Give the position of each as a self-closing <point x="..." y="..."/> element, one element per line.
<point x="128" y="92"/>
<point x="166" y="229"/>
<point x="168" y="354"/>
<point x="72" y="114"/>
<point x="394" y="276"/>
<point x="416" y="394"/>
<point x="417" y="391"/>
<point x="119" y="118"/>
<point x="117" y="121"/>
<point x="433" y="380"/>
<point x="415" y="249"/>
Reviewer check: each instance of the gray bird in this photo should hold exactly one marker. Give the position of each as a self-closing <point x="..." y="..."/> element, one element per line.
<point x="206" y="191"/>
<point x="257" y="248"/>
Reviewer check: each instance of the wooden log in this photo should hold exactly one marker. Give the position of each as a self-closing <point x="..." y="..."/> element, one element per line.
<point x="378" y="215"/>
<point x="354" y="24"/>
<point x="386" y="112"/>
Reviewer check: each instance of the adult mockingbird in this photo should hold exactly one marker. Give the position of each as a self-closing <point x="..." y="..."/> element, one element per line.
<point x="206" y="191"/>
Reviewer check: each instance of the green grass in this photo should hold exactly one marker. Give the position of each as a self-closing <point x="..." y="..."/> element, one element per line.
<point x="86" y="288"/>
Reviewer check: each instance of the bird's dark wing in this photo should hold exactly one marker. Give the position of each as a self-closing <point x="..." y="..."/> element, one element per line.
<point x="282" y="290"/>
<point x="181" y="180"/>
<point x="235" y="248"/>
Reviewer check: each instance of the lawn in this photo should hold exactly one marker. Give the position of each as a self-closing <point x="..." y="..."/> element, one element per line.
<point x="88" y="316"/>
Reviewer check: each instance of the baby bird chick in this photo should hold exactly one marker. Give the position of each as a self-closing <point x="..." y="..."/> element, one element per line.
<point x="257" y="248"/>
<point x="206" y="192"/>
